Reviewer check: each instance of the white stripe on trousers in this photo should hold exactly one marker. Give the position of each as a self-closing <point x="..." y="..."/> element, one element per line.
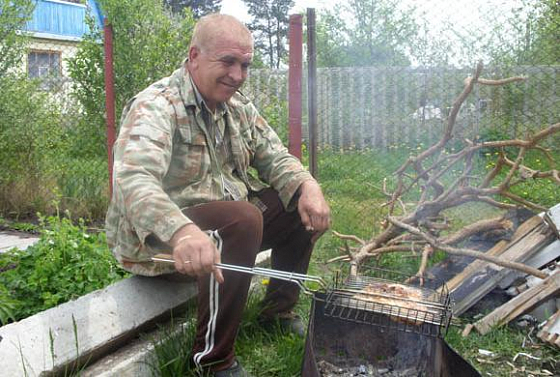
<point x="213" y="306"/>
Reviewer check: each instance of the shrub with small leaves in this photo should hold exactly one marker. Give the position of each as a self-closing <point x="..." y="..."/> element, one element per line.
<point x="66" y="263"/>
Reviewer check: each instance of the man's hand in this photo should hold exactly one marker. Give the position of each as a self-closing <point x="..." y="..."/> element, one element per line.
<point x="313" y="209"/>
<point x="194" y="252"/>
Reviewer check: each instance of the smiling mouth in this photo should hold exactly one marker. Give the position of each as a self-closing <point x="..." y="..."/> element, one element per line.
<point x="232" y="86"/>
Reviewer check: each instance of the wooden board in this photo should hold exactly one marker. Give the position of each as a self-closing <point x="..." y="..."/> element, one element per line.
<point x="521" y="303"/>
<point x="550" y="333"/>
<point x="542" y="258"/>
<point x="479" y="278"/>
<point x="497" y="250"/>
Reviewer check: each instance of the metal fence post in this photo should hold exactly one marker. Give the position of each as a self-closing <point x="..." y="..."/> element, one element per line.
<point x="109" y="98"/>
<point x="294" y="85"/>
<point x="312" y="91"/>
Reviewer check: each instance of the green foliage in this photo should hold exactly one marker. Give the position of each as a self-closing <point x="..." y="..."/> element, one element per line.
<point x="380" y="33"/>
<point x="270" y="24"/>
<point x="172" y="353"/>
<point x="7" y="306"/>
<point x="84" y="186"/>
<point x="13" y="15"/>
<point x="66" y="263"/>
<point x="534" y="41"/>
<point x="148" y="44"/>
<point x="30" y="135"/>
<point x="198" y="7"/>
<point x="276" y="114"/>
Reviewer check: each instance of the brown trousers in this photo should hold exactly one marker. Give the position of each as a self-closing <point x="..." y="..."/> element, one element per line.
<point x="244" y="229"/>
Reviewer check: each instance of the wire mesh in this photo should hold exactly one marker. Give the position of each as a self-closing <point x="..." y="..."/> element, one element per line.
<point x="47" y="164"/>
<point x="384" y="298"/>
<point x="383" y="94"/>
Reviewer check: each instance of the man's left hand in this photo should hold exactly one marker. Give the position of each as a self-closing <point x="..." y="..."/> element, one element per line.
<point x="313" y="209"/>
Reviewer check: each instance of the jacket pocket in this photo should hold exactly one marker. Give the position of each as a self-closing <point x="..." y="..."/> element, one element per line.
<point x="191" y="158"/>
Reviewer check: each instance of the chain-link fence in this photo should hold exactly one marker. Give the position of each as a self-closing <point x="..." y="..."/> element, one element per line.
<point x="45" y="164"/>
<point x="385" y="95"/>
<point x="385" y="87"/>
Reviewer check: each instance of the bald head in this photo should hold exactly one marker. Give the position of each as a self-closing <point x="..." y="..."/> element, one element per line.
<point x="217" y="27"/>
<point x="220" y="54"/>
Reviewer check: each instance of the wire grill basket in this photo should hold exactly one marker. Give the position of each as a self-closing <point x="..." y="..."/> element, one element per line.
<point x="391" y="300"/>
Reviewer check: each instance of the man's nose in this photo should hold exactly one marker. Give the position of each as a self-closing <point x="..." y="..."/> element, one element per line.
<point x="237" y="73"/>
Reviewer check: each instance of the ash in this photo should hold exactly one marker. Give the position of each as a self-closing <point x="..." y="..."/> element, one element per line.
<point x="327" y="369"/>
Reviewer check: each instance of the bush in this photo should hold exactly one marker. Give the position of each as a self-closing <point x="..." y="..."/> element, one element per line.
<point x="148" y="44"/>
<point x="30" y="136"/>
<point x="65" y="264"/>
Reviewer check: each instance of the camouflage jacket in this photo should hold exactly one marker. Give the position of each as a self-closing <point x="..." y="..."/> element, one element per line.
<point x="163" y="162"/>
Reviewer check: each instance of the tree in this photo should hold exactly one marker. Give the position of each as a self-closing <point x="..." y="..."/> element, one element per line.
<point x="270" y="23"/>
<point x="379" y="32"/>
<point x="451" y="180"/>
<point x="198" y="7"/>
<point x="148" y="45"/>
<point x="13" y="16"/>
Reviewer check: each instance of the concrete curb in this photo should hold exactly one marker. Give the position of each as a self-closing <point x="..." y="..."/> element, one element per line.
<point x="90" y="326"/>
<point x="93" y="327"/>
<point x="132" y="360"/>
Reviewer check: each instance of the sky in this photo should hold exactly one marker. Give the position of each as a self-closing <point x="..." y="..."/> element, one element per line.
<point x="463" y="16"/>
<point x="463" y="13"/>
<point x="237" y="7"/>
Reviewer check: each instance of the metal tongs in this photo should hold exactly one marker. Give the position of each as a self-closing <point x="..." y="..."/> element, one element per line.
<point x="318" y="284"/>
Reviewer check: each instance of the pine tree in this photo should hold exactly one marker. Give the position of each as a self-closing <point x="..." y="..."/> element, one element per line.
<point x="270" y="24"/>
<point x="198" y="7"/>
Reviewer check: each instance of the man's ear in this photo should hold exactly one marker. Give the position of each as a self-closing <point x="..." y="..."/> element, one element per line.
<point x="194" y="52"/>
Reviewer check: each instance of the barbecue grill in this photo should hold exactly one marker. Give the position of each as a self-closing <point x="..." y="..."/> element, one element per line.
<point x="379" y="324"/>
<point x="380" y="299"/>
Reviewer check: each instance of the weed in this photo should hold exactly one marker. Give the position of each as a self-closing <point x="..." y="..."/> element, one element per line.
<point x="65" y="263"/>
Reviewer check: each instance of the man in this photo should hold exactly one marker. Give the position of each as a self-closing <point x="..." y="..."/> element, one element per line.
<point x="181" y="183"/>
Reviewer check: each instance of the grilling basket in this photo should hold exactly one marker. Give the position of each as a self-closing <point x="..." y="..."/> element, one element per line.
<point x="380" y="299"/>
<point x="380" y="323"/>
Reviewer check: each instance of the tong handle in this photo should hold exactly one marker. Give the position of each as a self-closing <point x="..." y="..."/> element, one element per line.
<point x="293" y="277"/>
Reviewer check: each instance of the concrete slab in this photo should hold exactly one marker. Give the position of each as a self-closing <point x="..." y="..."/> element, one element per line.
<point x="100" y="326"/>
<point x="20" y="240"/>
<point x="132" y="360"/>
<point x="89" y="326"/>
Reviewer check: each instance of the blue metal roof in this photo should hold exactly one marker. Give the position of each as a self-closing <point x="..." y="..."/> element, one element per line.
<point x="61" y="19"/>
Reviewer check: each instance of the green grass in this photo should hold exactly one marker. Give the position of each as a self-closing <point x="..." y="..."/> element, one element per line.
<point x="352" y="183"/>
<point x="79" y="186"/>
<point x="260" y="352"/>
<point x="505" y="343"/>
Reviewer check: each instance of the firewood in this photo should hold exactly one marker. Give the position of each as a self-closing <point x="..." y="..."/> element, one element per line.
<point x="425" y="172"/>
<point x="520" y="304"/>
<point x="550" y="333"/>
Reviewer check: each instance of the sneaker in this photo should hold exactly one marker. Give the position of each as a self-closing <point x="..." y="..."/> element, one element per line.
<point x="287" y="323"/>
<point x="235" y="370"/>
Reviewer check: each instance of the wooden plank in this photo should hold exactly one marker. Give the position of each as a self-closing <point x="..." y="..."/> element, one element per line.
<point x="520" y="304"/>
<point x="541" y="259"/>
<point x="550" y="333"/>
<point x="488" y="277"/>
<point x="525" y="228"/>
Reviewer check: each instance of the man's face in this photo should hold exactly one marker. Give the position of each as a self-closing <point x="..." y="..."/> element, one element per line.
<point x="220" y="70"/>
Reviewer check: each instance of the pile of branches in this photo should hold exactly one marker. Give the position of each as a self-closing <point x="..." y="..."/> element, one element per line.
<point x="420" y="231"/>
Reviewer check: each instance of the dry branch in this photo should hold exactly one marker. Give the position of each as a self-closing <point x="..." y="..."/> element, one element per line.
<point x="467" y="252"/>
<point x="427" y="170"/>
